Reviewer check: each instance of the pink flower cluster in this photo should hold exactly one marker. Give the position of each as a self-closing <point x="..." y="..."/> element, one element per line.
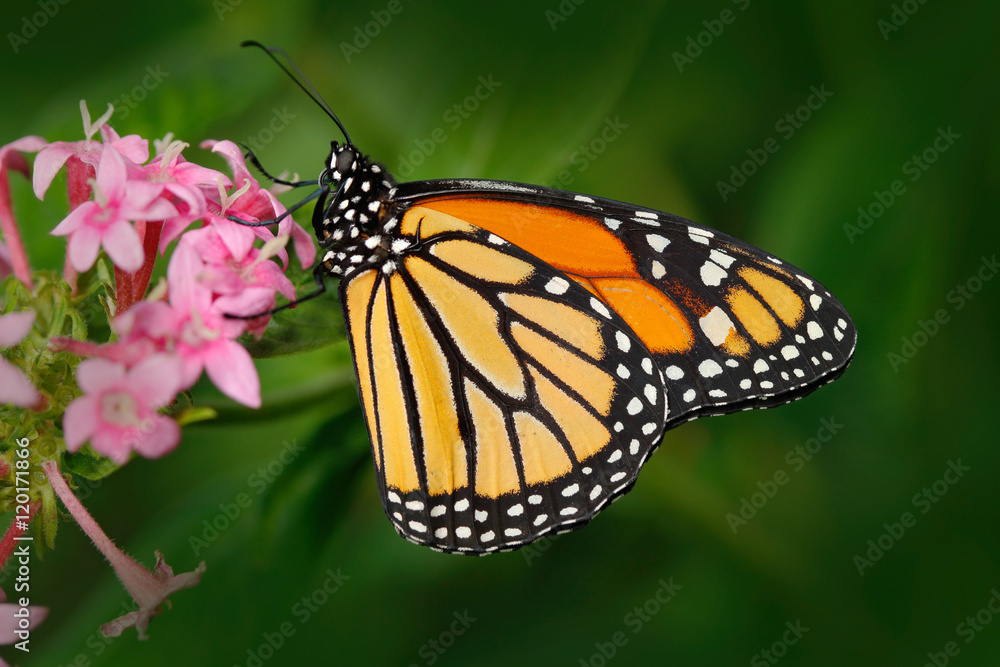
<point x="140" y="206"/>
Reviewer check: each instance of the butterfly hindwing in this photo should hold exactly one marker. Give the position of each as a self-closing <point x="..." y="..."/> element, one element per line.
<point x="504" y="400"/>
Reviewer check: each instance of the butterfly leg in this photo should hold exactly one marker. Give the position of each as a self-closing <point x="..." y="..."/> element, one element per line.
<point x="318" y="274"/>
<point x="256" y="163"/>
<point x="262" y="223"/>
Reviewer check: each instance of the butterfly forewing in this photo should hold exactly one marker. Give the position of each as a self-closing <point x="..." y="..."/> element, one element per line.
<point x="503" y="399"/>
<point x="730" y="326"/>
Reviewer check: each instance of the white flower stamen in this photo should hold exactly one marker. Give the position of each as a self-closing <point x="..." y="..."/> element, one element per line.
<point x="90" y="129"/>
<point x="227" y="200"/>
<point x="160" y="145"/>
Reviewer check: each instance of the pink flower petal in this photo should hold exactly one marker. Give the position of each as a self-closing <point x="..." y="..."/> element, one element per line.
<point x="80" y="421"/>
<point x="8" y="623"/>
<point x="133" y="147"/>
<point x="83" y="246"/>
<point x="182" y="272"/>
<point x="238" y="239"/>
<point x="231" y="369"/>
<point x="77" y="217"/>
<point x="29" y="144"/>
<point x="111" y="442"/>
<point x="48" y="163"/>
<point x="97" y="375"/>
<point x="15" y="326"/>
<point x="15" y="388"/>
<point x="156" y="379"/>
<point x="248" y="301"/>
<point x="162" y="439"/>
<point x="111" y="174"/>
<point x="304" y="244"/>
<point x="123" y="245"/>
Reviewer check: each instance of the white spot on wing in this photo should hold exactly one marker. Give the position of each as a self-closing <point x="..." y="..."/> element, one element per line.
<point x="557" y="285"/>
<point x="600" y="307"/>
<point x="712" y="274"/>
<point x="657" y="242"/>
<point x="709" y="368"/>
<point x="789" y="352"/>
<point x="716" y="325"/>
<point x="721" y="258"/>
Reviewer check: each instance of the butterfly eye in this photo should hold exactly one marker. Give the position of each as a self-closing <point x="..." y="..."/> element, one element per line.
<point x="344" y="161"/>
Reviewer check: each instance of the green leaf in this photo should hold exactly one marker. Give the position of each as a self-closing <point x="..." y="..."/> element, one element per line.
<point x="195" y="414"/>
<point x="311" y="325"/>
<point x="87" y="465"/>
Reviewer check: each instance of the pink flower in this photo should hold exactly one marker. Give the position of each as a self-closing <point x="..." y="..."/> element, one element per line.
<point x="242" y="276"/>
<point x="256" y="203"/>
<point x="118" y="411"/>
<point x="183" y="183"/>
<point x="106" y="221"/>
<point x="15" y="388"/>
<point x="149" y="589"/>
<point x="203" y="337"/>
<point x="52" y="158"/>
<point x="193" y="328"/>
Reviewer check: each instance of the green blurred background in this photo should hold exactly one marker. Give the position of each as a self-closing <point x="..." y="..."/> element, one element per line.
<point x="564" y="601"/>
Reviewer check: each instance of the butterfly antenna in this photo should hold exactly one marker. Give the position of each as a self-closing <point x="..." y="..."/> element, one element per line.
<point x="301" y="81"/>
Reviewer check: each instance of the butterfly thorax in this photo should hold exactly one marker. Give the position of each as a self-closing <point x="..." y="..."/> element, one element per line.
<point x="353" y="221"/>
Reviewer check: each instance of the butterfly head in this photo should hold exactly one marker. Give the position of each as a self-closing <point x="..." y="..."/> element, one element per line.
<point x="356" y="197"/>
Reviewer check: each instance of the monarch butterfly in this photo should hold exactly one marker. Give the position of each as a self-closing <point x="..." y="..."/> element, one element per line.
<point x="520" y="350"/>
